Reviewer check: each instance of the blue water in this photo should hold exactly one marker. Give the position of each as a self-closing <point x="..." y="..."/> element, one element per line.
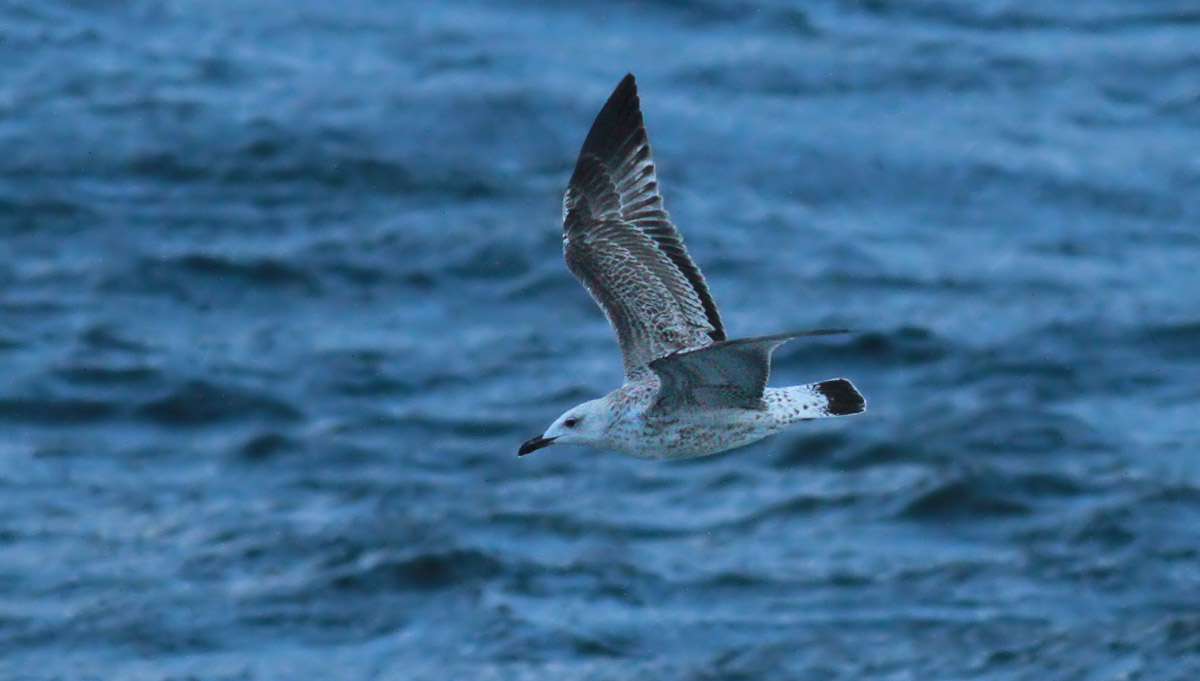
<point x="281" y="292"/>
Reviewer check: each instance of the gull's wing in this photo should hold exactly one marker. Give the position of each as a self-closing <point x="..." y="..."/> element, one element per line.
<point x="619" y="242"/>
<point x="724" y="375"/>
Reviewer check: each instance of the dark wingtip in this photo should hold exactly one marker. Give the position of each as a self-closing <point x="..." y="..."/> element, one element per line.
<point x="619" y="118"/>
<point x="844" y="398"/>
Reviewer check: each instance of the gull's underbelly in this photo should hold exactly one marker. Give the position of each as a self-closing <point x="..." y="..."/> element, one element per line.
<point x="682" y="437"/>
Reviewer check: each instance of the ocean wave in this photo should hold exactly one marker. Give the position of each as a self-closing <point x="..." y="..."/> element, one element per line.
<point x="97" y="375"/>
<point x="199" y="402"/>
<point x="1101" y="17"/>
<point x="39" y="214"/>
<point x="104" y="337"/>
<point x="203" y="278"/>
<point x="984" y="491"/>
<point x="57" y="411"/>
<point x="1177" y="341"/>
<point x="570" y="524"/>
<point x="964" y="497"/>
<point x="267" y="445"/>
<point x="1007" y="428"/>
<point x="902" y="346"/>
<point x="271" y="154"/>
<point x="422" y="571"/>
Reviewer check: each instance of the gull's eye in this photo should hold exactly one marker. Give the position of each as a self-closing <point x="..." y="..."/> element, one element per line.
<point x="570" y="423"/>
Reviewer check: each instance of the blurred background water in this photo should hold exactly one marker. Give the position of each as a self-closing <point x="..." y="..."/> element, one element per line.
<point x="282" y="291"/>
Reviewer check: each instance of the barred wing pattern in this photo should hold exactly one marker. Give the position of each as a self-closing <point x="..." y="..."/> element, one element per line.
<point x="619" y="242"/>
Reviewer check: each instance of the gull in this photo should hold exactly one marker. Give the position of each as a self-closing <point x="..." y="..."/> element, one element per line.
<point x="688" y="391"/>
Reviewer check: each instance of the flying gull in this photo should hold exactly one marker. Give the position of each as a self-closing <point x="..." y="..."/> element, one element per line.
<point x="688" y="391"/>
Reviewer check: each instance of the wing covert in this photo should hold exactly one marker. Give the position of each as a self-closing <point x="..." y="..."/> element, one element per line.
<point x="724" y="375"/>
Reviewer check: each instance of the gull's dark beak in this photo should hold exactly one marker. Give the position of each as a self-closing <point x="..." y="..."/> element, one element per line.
<point x="535" y="444"/>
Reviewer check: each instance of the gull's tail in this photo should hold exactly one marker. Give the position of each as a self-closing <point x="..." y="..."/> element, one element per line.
<point x="842" y="397"/>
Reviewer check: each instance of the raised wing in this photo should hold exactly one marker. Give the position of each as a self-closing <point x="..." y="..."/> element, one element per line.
<point x="619" y="242"/>
<point x="724" y="375"/>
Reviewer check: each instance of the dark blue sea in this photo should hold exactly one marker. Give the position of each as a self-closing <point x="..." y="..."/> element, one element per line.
<point x="282" y="291"/>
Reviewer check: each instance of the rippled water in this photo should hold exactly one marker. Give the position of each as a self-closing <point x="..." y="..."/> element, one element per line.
<point x="282" y="293"/>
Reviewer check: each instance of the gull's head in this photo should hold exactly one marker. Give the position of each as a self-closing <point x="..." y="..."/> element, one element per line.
<point x="585" y="424"/>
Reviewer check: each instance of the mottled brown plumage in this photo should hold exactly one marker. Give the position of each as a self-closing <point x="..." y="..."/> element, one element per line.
<point x="688" y="391"/>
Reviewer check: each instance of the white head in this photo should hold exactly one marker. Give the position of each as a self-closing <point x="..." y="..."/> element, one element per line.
<point x="585" y="424"/>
